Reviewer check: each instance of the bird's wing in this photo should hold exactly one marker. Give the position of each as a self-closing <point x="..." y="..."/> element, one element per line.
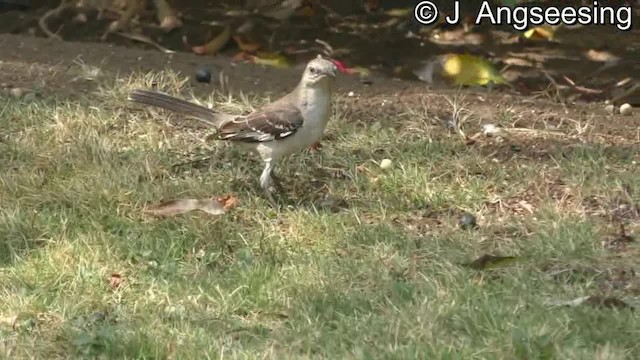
<point x="270" y="124"/>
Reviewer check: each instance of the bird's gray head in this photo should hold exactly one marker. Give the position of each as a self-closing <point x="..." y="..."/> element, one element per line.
<point x="319" y="70"/>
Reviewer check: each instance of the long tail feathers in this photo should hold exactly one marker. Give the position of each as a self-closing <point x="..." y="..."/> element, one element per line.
<point x="176" y="105"/>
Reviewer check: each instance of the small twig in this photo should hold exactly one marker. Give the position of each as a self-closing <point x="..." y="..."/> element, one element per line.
<point x="555" y="85"/>
<point x="568" y="79"/>
<point x="536" y="131"/>
<point x="328" y="50"/>
<point x="146" y="40"/>
<point x="224" y="83"/>
<point x="42" y="22"/>
<point x="581" y="88"/>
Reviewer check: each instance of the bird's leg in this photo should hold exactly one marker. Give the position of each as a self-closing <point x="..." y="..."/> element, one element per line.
<point x="265" y="183"/>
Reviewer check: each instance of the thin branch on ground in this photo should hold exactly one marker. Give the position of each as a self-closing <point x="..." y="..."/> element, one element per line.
<point x="146" y="40"/>
<point x="42" y="21"/>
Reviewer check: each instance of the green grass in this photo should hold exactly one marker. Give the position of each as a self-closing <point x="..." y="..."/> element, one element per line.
<point x="381" y="278"/>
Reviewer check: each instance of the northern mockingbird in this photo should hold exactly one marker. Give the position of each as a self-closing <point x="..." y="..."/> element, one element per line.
<point x="287" y="125"/>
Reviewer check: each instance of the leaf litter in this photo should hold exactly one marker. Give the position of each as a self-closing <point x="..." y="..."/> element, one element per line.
<point x="212" y="206"/>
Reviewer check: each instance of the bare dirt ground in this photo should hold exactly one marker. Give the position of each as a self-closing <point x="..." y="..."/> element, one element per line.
<point x="377" y="41"/>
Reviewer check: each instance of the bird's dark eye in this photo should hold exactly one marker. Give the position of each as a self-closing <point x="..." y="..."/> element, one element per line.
<point x="313" y="70"/>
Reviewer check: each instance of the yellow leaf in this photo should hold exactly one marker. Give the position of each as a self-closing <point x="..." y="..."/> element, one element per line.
<point x="271" y="59"/>
<point x="470" y="70"/>
<point x="359" y="70"/>
<point x="246" y="45"/>
<point x="543" y="32"/>
<point x="216" y="44"/>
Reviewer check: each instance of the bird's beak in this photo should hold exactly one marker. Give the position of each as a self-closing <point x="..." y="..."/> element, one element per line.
<point x="333" y="72"/>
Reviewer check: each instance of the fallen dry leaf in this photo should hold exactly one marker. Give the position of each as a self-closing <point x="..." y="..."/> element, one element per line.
<point x="246" y="45"/>
<point x="115" y="280"/>
<point x="271" y="59"/>
<point x="601" y="56"/>
<point x="543" y="32"/>
<point x="228" y="201"/>
<point x="213" y="206"/>
<point x="487" y="261"/>
<point x="216" y="44"/>
<point x="460" y="69"/>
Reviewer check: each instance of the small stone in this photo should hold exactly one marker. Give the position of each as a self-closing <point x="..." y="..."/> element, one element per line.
<point x="490" y="130"/>
<point x="351" y="94"/>
<point x="386" y="164"/>
<point x="610" y="109"/>
<point x="203" y="75"/>
<point x="626" y="109"/>
<point x="467" y="221"/>
<point x="17" y="92"/>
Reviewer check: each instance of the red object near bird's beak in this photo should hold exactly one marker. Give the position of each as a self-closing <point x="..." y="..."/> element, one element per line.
<point x="341" y="67"/>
